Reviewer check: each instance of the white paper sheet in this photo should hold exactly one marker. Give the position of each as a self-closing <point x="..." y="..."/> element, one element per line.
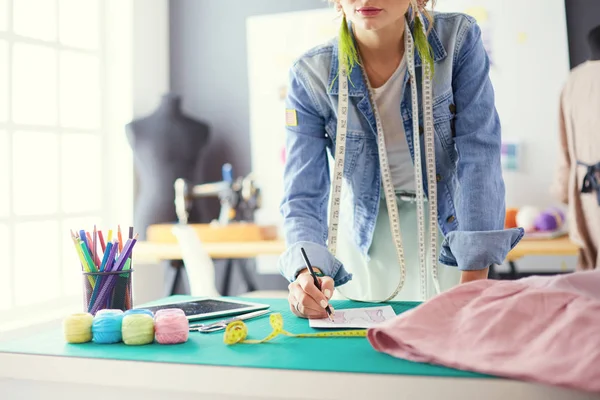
<point x="355" y="318"/>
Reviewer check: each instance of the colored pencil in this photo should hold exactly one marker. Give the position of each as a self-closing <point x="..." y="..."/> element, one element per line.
<point x="101" y="238"/>
<point x="88" y="258"/>
<point x="120" y="238"/>
<point x="106" y="255"/>
<point x="95" y="247"/>
<point x="107" y="290"/>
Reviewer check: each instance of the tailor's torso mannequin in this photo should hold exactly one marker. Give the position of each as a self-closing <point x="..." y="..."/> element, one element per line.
<point x="166" y="146"/>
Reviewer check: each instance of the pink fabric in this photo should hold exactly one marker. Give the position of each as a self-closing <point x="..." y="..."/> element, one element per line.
<point x="542" y="329"/>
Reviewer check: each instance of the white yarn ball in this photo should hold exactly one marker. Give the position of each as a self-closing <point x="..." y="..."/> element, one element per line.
<point x="526" y="217"/>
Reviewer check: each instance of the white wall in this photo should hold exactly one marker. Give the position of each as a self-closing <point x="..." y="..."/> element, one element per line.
<point x="528" y="47"/>
<point x="530" y="55"/>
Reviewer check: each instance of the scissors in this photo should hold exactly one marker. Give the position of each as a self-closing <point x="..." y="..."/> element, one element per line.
<point x="217" y="326"/>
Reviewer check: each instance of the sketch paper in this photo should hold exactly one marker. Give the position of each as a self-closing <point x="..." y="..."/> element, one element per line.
<point x="355" y="318"/>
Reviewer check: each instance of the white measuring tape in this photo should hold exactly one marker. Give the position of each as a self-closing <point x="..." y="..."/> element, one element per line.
<point x="388" y="187"/>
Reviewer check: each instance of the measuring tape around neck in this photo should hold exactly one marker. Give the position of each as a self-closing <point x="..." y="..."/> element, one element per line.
<point x="389" y="190"/>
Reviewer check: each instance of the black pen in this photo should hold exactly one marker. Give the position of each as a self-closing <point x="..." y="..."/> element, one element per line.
<point x="315" y="279"/>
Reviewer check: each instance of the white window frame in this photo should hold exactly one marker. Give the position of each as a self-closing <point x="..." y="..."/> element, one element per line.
<point x="134" y="72"/>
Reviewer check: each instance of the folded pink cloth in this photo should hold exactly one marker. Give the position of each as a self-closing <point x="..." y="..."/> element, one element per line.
<point x="541" y="329"/>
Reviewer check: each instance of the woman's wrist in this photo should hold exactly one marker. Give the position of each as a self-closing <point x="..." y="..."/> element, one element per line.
<point x="318" y="272"/>
<point x="475" y="275"/>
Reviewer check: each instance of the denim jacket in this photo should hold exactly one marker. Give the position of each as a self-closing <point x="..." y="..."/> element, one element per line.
<point x="470" y="186"/>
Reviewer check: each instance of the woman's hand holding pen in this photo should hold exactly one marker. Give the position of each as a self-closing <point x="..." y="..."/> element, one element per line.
<point x="306" y="300"/>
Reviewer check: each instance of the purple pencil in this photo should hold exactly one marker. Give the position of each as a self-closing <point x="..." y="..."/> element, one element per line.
<point x="127" y="249"/>
<point x="111" y="280"/>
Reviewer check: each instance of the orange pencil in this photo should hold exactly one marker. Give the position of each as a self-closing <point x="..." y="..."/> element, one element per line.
<point x="120" y="237"/>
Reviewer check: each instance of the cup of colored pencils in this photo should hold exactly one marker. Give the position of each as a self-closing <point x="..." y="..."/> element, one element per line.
<point x="107" y="269"/>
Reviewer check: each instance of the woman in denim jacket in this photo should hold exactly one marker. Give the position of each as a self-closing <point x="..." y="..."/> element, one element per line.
<point x="465" y="134"/>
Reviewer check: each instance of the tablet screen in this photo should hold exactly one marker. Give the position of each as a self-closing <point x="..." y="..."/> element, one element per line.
<point x="210" y="308"/>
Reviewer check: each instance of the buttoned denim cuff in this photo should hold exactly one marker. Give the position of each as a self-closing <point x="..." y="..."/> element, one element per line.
<point x="291" y="262"/>
<point x="476" y="250"/>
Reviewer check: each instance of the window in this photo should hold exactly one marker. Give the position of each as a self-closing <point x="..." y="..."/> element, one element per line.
<point x="53" y="146"/>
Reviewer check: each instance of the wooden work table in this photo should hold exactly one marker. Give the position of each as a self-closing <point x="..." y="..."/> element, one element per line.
<point x="151" y="252"/>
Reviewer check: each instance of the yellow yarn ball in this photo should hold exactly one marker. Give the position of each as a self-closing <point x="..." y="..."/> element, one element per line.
<point x="77" y="328"/>
<point x="137" y="329"/>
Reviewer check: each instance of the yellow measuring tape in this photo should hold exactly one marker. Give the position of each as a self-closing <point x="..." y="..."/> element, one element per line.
<point x="237" y="331"/>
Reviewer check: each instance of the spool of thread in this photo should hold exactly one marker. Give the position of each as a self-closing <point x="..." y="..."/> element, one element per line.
<point x="526" y="218"/>
<point x="110" y="311"/>
<point x="106" y="328"/>
<point x="171" y="326"/>
<point x="77" y="328"/>
<point x="511" y="218"/>
<point x="135" y="311"/>
<point x="137" y="329"/>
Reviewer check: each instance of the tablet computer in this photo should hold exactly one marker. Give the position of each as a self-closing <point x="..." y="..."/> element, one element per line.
<point x="210" y="307"/>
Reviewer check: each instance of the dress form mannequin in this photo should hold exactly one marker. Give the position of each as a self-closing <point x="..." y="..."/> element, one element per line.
<point x="166" y="146"/>
<point x="594" y="43"/>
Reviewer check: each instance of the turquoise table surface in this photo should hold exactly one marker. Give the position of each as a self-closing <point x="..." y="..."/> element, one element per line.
<point x="316" y="354"/>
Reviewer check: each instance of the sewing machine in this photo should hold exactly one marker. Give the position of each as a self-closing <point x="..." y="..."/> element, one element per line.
<point x="239" y="198"/>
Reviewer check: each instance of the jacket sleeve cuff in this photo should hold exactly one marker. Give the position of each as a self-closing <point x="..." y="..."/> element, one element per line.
<point x="476" y="250"/>
<point x="291" y="262"/>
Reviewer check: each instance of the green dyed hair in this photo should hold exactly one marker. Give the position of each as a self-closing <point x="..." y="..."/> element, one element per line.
<point x="422" y="44"/>
<point x="347" y="50"/>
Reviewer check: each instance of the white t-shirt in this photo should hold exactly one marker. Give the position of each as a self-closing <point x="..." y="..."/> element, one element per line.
<point x="388" y="98"/>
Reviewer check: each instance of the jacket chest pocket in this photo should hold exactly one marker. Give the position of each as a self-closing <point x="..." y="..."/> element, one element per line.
<point x="444" y="112"/>
<point x="355" y="142"/>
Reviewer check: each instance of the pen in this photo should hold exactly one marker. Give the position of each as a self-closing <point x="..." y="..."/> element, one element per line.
<point x="315" y="279"/>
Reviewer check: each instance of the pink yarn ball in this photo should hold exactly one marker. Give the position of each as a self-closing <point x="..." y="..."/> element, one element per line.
<point x="171" y="326"/>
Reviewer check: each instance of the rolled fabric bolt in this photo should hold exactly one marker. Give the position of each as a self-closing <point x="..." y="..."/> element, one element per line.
<point x="171" y="326"/>
<point x="77" y="328"/>
<point x="138" y="329"/>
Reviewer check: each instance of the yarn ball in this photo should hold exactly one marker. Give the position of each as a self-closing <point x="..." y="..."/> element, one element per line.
<point x="137" y="329"/>
<point x="551" y="219"/>
<point x="526" y="218"/>
<point x="106" y="328"/>
<point x="559" y="214"/>
<point x="134" y="311"/>
<point x="546" y="222"/>
<point x="511" y="218"/>
<point x="77" y="328"/>
<point x="171" y="326"/>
